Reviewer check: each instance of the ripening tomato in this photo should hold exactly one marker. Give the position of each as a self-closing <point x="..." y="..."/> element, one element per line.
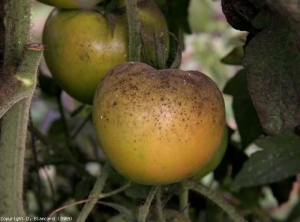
<point x="215" y="160"/>
<point x="158" y="126"/>
<point x="80" y="47"/>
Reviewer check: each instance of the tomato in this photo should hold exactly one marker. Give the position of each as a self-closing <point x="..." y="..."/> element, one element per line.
<point x="71" y="4"/>
<point x="212" y="164"/>
<point x="80" y="48"/>
<point x="158" y="126"/>
<point x="169" y="215"/>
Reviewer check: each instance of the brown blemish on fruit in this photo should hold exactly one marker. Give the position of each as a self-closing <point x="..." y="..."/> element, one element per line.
<point x="158" y="108"/>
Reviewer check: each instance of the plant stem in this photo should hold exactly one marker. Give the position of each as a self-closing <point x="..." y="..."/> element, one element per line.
<point x="13" y="137"/>
<point x="20" y="69"/>
<point x="65" y="124"/>
<point x="81" y="126"/>
<point x="95" y="193"/>
<point x="12" y="161"/>
<point x="159" y="207"/>
<point x="37" y="166"/>
<point x="17" y="23"/>
<point x="184" y="202"/>
<point x="178" y="57"/>
<point x="135" y="41"/>
<point x="144" y="210"/>
<point x="105" y="195"/>
<point x="213" y="196"/>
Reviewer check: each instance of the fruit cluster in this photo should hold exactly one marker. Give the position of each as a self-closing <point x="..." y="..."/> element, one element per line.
<point x="82" y="45"/>
<point x="155" y="126"/>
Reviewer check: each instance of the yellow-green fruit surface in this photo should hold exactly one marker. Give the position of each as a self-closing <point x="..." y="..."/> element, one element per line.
<point x="80" y="47"/>
<point x="169" y="215"/>
<point x="71" y="4"/>
<point x="212" y="164"/>
<point x="158" y="126"/>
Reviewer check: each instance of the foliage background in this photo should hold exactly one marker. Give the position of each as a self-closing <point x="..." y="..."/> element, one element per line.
<point x="53" y="174"/>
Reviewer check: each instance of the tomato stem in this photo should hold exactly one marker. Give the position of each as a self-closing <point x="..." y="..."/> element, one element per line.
<point x="14" y="122"/>
<point x="160" y="51"/>
<point x="135" y="41"/>
<point x="144" y="210"/>
<point x="114" y="192"/>
<point x="81" y="126"/>
<point x="64" y="123"/>
<point x="213" y="196"/>
<point x="159" y="207"/>
<point x="20" y="72"/>
<point x="178" y="56"/>
<point x="95" y="193"/>
<point x="184" y="201"/>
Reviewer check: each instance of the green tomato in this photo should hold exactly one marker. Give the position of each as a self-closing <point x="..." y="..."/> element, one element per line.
<point x="158" y="127"/>
<point x="80" y="47"/>
<point x="215" y="160"/>
<point x="71" y="4"/>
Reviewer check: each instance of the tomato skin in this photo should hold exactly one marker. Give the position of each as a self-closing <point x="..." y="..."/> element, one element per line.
<point x="216" y="159"/>
<point x="76" y="43"/>
<point x="71" y="4"/>
<point x="80" y="48"/>
<point x="158" y="127"/>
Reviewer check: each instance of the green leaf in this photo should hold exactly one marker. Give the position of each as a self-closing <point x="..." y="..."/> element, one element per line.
<point x="83" y="189"/>
<point x="234" y="57"/>
<point x="128" y="215"/>
<point x="56" y="131"/>
<point x="263" y="20"/>
<point x="177" y="57"/>
<point x="289" y="10"/>
<point x="239" y="14"/>
<point x="278" y="160"/>
<point x="260" y="4"/>
<point x="176" y="14"/>
<point x="272" y="62"/>
<point x="244" y="112"/>
<point x="137" y="191"/>
<point x="48" y="85"/>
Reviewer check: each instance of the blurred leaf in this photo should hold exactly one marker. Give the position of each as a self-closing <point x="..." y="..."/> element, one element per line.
<point x="244" y="112"/>
<point x="282" y="189"/>
<point x="48" y="85"/>
<point x="263" y="20"/>
<point x="116" y="177"/>
<point x="234" y="159"/>
<point x="234" y="57"/>
<point x="289" y="10"/>
<point x="272" y="62"/>
<point x="295" y="214"/>
<point x="56" y="131"/>
<point x="129" y="216"/>
<point x="83" y="189"/>
<point x="250" y="197"/>
<point x="259" y="4"/>
<point x="137" y="191"/>
<point x="278" y="160"/>
<point x="176" y="14"/>
<point x="176" y="58"/>
<point x="239" y="14"/>
<point x="214" y="214"/>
